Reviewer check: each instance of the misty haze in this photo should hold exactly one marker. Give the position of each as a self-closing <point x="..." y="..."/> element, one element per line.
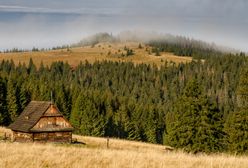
<point x="25" y="24"/>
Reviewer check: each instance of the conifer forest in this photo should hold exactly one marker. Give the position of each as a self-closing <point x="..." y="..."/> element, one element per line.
<point x="201" y="106"/>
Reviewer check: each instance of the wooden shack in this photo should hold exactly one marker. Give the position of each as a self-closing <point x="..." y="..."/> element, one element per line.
<point x="41" y="121"/>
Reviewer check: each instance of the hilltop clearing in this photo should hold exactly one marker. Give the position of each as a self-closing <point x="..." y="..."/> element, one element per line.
<point x="118" y="52"/>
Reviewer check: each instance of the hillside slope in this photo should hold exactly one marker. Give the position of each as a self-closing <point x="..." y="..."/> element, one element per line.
<point x="120" y="153"/>
<point x="100" y="52"/>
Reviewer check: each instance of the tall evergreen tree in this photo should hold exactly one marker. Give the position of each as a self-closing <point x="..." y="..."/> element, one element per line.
<point x="86" y="118"/>
<point x="23" y="98"/>
<point x="31" y="66"/>
<point x="12" y="100"/>
<point x="237" y="124"/>
<point x="76" y="114"/>
<point x="197" y="125"/>
<point x="3" y="104"/>
<point x="63" y="100"/>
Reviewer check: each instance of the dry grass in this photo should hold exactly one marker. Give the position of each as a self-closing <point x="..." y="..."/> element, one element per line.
<point x="100" y="52"/>
<point x="120" y="154"/>
<point x="4" y="132"/>
<point x="95" y="142"/>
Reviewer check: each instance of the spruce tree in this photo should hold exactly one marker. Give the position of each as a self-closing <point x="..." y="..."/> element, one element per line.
<point x="31" y="66"/>
<point x="196" y="124"/>
<point x="237" y="124"/>
<point x="63" y="100"/>
<point x="86" y="118"/>
<point x="76" y="114"/>
<point x="23" y="98"/>
<point x="3" y="109"/>
<point x="151" y="125"/>
<point x="12" y="100"/>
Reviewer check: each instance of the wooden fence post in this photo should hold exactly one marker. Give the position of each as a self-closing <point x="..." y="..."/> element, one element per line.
<point x="107" y="142"/>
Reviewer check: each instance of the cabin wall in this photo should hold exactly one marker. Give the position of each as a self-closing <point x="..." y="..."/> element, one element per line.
<point x="22" y="136"/>
<point x="65" y="137"/>
<point x="51" y="122"/>
<point x="51" y="119"/>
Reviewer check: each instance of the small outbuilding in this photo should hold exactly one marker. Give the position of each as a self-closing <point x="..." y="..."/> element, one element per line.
<point x="41" y="121"/>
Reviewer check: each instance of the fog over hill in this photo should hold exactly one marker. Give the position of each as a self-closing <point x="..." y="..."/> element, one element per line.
<point x="148" y="38"/>
<point x="26" y="23"/>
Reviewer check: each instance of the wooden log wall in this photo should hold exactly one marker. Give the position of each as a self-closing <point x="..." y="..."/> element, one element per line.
<point x="65" y="137"/>
<point x="22" y="136"/>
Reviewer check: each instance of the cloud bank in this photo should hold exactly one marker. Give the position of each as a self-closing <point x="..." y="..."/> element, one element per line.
<point x="28" y="23"/>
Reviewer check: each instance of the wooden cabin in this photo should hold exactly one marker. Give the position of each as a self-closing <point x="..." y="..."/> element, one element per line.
<point x="41" y="121"/>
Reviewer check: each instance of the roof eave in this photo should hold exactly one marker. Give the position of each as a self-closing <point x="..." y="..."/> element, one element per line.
<point x="52" y="130"/>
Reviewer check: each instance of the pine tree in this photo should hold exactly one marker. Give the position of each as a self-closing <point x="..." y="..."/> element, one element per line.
<point x="63" y="100"/>
<point x="151" y="125"/>
<point x="76" y="114"/>
<point x="31" y="66"/>
<point x="12" y="100"/>
<point x="237" y="124"/>
<point x="23" y="98"/>
<point x="119" y="120"/>
<point x="4" y="120"/>
<point x="86" y="118"/>
<point x="130" y="122"/>
<point x="197" y="124"/>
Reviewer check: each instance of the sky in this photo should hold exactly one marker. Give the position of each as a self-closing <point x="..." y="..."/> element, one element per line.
<point x="46" y="23"/>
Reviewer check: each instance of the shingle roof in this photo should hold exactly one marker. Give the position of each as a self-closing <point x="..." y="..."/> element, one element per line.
<point x="30" y="116"/>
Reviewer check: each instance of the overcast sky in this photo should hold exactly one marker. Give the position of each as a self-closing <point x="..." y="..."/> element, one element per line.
<point x="46" y="23"/>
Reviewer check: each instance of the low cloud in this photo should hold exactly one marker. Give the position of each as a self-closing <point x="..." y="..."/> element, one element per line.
<point x="84" y="10"/>
<point x="25" y="24"/>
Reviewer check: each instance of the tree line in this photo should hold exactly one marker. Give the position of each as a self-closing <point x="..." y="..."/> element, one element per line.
<point x="199" y="106"/>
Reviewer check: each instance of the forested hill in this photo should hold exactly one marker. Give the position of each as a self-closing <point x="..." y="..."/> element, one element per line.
<point x="182" y="106"/>
<point x="180" y="45"/>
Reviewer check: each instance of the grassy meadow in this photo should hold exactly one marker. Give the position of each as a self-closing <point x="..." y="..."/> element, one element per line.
<point x="99" y="52"/>
<point x="121" y="153"/>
